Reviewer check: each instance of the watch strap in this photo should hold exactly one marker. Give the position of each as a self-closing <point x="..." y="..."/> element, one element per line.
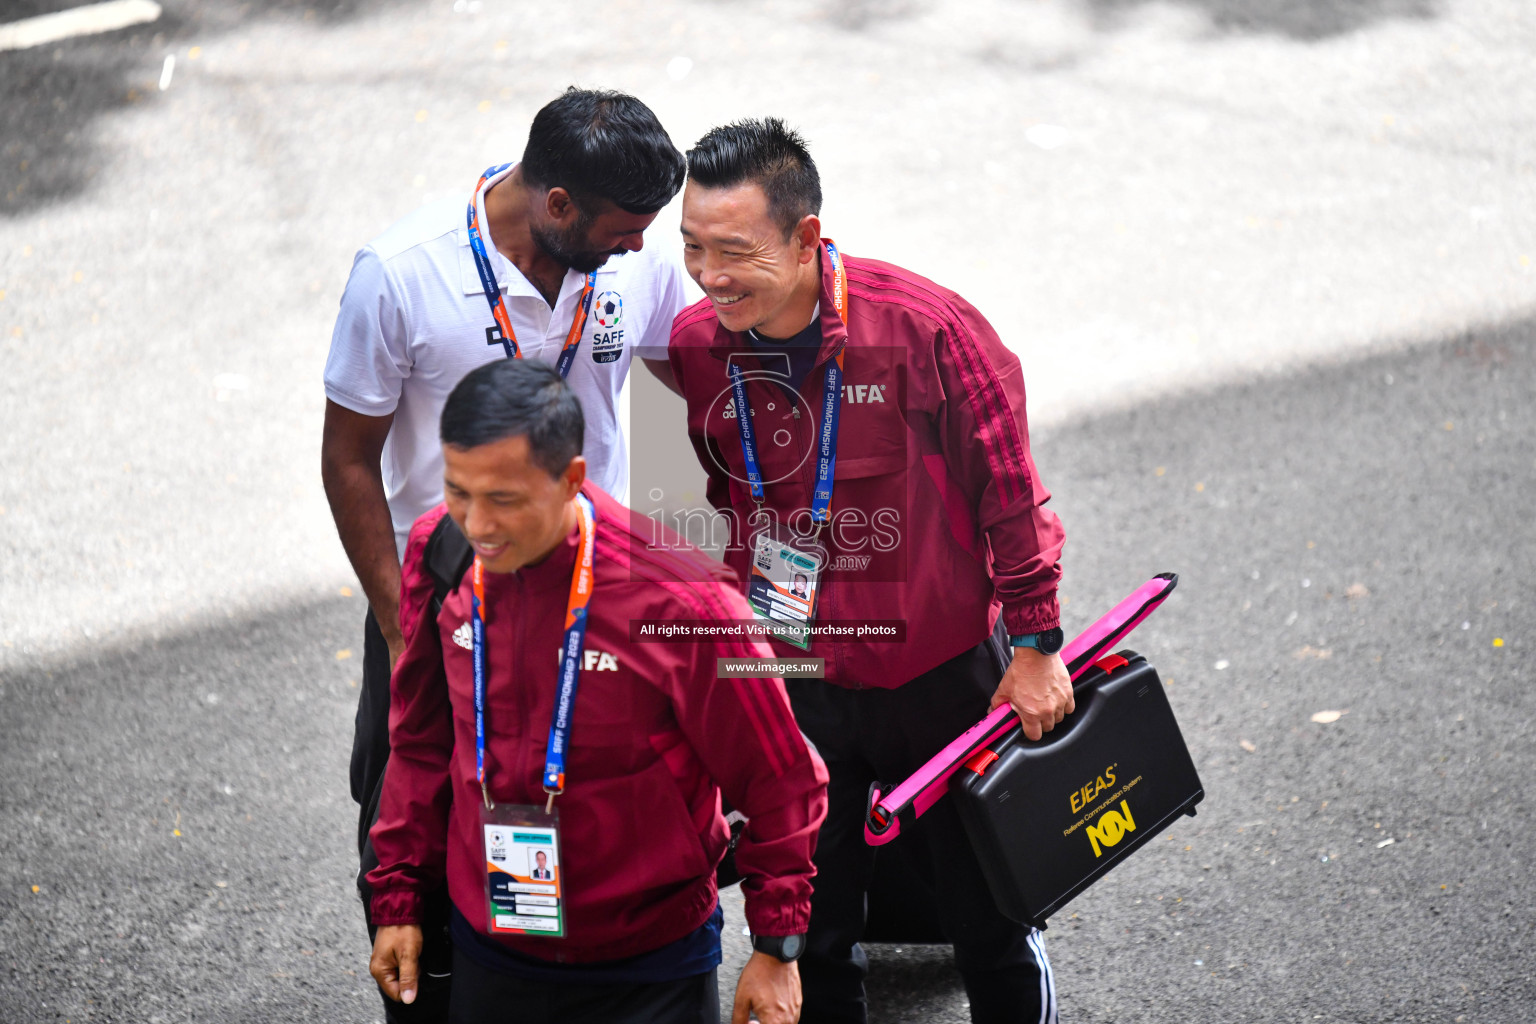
<point x="1046" y="641"/>
<point x="786" y="948"/>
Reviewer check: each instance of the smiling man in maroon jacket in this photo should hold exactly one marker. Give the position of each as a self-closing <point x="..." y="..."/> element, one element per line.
<point x="864" y="426"/>
<point x="623" y="922"/>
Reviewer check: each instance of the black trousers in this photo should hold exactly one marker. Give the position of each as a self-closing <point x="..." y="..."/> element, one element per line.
<point x="484" y="996"/>
<point x="370" y="755"/>
<point x="885" y="735"/>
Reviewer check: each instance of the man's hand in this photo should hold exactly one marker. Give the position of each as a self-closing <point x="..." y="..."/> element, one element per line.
<point x="1039" y="688"/>
<point x="394" y="641"/>
<point x="769" y="988"/>
<point x="396" y="953"/>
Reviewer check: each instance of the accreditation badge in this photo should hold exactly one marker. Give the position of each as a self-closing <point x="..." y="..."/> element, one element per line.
<point x="523" y="885"/>
<point x="786" y="575"/>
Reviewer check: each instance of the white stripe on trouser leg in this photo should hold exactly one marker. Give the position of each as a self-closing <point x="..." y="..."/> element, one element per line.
<point x="1045" y="1001"/>
<point x="1048" y="1013"/>
<point x="1050" y="974"/>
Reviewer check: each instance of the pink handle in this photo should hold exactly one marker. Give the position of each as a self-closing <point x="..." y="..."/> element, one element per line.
<point x="928" y="784"/>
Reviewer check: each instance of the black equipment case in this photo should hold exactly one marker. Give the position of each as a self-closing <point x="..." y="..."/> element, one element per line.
<point x="1049" y="818"/>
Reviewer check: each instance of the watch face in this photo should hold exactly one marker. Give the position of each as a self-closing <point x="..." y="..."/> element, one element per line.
<point x="1049" y="641"/>
<point x="793" y="946"/>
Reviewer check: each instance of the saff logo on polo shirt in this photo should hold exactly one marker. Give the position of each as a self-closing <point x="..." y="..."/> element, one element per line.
<point x="608" y="340"/>
<point x="609" y="309"/>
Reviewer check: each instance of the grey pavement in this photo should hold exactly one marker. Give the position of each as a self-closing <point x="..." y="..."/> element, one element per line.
<point x="1375" y="868"/>
<point x="1268" y="265"/>
<point x="1144" y="197"/>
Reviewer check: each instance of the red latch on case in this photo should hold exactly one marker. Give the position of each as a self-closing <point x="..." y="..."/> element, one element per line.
<point x="981" y="761"/>
<point x="1110" y="662"/>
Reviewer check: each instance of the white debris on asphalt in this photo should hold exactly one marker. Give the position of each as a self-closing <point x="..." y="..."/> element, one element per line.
<point x="1045" y="136"/>
<point x="227" y="384"/>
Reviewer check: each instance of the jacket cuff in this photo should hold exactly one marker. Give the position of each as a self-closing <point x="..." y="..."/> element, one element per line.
<point x="1032" y="615"/>
<point x="793" y="919"/>
<point x="395" y="906"/>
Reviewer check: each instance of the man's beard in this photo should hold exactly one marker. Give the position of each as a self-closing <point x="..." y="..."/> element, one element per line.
<point x="569" y="247"/>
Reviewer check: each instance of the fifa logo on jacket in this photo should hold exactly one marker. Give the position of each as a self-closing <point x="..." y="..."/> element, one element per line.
<point x="1111" y="828"/>
<point x="593" y="660"/>
<point x="862" y="394"/>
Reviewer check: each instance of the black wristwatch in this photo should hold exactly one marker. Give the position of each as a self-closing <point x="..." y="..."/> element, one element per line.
<point x="786" y="947"/>
<point x="1047" y="641"/>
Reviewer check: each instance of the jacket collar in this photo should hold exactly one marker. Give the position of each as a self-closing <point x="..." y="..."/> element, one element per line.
<point x="833" y="333"/>
<point x="553" y="575"/>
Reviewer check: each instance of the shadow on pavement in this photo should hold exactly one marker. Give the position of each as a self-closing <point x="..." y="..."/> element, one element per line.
<point x="1356" y="538"/>
<point x="183" y="810"/>
<point x="53" y="94"/>
<point x="1353" y="537"/>
<point x="1298" y="19"/>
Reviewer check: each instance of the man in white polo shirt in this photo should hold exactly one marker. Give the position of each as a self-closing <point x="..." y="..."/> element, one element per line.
<point x="544" y="260"/>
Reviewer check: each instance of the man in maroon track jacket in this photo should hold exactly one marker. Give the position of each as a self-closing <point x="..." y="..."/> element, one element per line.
<point x="654" y="740"/>
<point x="934" y="525"/>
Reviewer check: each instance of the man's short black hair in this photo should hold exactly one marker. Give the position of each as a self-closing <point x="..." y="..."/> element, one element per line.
<point x="516" y="398"/>
<point x="768" y="153"/>
<point x="599" y="144"/>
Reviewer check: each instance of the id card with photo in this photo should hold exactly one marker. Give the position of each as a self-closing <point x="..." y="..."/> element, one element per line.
<point x="523" y="887"/>
<point x="782" y="590"/>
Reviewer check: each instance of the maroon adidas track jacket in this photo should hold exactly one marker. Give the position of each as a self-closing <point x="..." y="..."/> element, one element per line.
<point x="937" y="511"/>
<point x="655" y="739"/>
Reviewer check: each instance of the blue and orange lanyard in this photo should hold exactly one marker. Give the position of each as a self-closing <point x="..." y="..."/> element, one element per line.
<point x="832" y="393"/>
<point x="570" y="661"/>
<point x="508" y="337"/>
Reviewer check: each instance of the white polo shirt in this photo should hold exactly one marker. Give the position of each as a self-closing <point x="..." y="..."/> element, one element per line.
<point x="413" y="322"/>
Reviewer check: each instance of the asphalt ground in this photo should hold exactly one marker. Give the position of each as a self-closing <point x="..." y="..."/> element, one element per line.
<point x="1280" y="250"/>
<point x="180" y="806"/>
<point x="1142" y="197"/>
